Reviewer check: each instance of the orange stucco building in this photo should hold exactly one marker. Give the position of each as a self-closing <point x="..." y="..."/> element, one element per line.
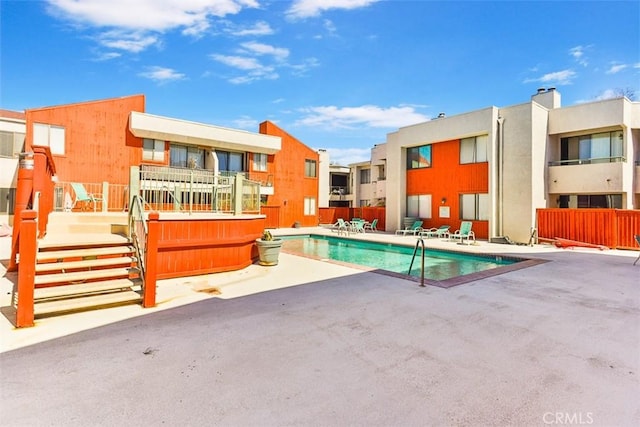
<point x="98" y="141"/>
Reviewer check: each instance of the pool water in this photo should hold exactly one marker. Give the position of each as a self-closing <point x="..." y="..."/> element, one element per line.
<point x="439" y="265"/>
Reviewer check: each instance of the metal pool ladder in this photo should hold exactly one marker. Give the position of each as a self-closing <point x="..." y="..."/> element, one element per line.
<point x="420" y="242"/>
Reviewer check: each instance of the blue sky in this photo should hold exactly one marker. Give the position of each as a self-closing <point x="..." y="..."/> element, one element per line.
<point x="336" y="74"/>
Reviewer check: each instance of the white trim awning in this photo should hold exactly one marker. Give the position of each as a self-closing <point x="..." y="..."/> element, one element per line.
<point x="144" y="125"/>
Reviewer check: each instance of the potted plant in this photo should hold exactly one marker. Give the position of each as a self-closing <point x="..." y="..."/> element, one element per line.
<point x="268" y="248"/>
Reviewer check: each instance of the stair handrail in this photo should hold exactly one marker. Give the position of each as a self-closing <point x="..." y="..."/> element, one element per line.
<point x="420" y="242"/>
<point x="138" y="231"/>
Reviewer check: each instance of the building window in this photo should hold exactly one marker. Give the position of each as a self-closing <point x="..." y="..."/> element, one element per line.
<point x="419" y="157"/>
<point x="419" y="206"/>
<point x="474" y="149"/>
<point x="602" y="147"/>
<point x="153" y="150"/>
<point x="365" y="176"/>
<point x="183" y="156"/>
<point x="260" y="162"/>
<point x="11" y="143"/>
<point x="310" y="168"/>
<point x="612" y="201"/>
<point x="49" y="136"/>
<point x="309" y="205"/>
<point x="230" y="161"/>
<point x="364" y="203"/>
<point x="474" y="207"/>
<point x="381" y="173"/>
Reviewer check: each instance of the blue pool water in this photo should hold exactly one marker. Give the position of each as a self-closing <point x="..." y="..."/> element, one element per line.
<point x="439" y="265"/>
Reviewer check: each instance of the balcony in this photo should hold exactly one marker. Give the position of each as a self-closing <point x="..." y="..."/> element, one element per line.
<point x="597" y="175"/>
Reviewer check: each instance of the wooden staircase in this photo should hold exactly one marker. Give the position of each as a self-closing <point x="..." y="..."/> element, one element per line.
<point x="85" y="261"/>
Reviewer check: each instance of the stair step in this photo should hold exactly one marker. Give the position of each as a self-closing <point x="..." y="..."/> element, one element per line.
<point x="84" y="288"/>
<point x="85" y="303"/>
<point x="79" y="276"/>
<point x="66" y="240"/>
<point x="85" y="264"/>
<point x="82" y="253"/>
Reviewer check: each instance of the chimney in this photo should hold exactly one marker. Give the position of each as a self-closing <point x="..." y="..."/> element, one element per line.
<point x="541" y="90"/>
<point x="441" y="115"/>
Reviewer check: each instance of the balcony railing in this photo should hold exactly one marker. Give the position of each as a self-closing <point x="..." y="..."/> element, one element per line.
<point x="613" y="159"/>
<point x="339" y="190"/>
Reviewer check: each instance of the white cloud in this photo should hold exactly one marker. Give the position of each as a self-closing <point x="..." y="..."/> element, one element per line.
<point x="256" y="70"/>
<point x="128" y="41"/>
<point x="578" y="53"/>
<point x="265" y="49"/>
<point x="347" y="156"/>
<point x="301" y="9"/>
<point x="247" y="123"/>
<point x="137" y="21"/>
<point x="161" y="74"/>
<point x="302" y="68"/>
<point x="239" y="62"/>
<point x="564" y="77"/>
<point x="616" y="68"/>
<point x="366" y="115"/>
<point x="107" y="56"/>
<point x="260" y="28"/>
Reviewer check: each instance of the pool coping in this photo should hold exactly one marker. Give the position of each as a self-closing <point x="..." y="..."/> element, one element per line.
<point x="521" y="263"/>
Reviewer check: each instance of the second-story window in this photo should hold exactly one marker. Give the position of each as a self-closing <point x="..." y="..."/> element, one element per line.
<point x="602" y="147"/>
<point x="310" y="168"/>
<point x="153" y="149"/>
<point x="230" y="161"/>
<point x="11" y="144"/>
<point x="260" y="162"/>
<point x="474" y="149"/>
<point x="365" y="176"/>
<point x="49" y="136"/>
<point x="183" y="156"/>
<point x="419" y="157"/>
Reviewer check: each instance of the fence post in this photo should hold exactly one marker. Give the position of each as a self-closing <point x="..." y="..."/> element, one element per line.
<point x="105" y="196"/>
<point x="238" y="194"/>
<point x="26" y="268"/>
<point x="151" y="263"/>
<point x="134" y="184"/>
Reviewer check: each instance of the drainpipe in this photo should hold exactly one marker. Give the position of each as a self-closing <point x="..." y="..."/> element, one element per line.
<point x="500" y="175"/>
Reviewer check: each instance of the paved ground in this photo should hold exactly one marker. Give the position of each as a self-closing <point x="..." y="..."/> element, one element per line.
<point x="313" y="343"/>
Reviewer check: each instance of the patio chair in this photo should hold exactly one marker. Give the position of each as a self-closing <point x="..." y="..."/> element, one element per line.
<point x="464" y="233"/>
<point x="82" y="196"/>
<point x="414" y="229"/>
<point x="341" y="226"/>
<point x="442" y="231"/>
<point x="373" y="225"/>
<point x="357" y="226"/>
<point x="637" y="237"/>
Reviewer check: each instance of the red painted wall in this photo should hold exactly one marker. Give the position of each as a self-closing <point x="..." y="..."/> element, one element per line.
<point x="290" y="184"/>
<point x="189" y="246"/>
<point x="98" y="144"/>
<point x="447" y="178"/>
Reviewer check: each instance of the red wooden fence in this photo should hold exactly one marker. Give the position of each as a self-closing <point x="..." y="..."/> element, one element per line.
<point x="613" y="228"/>
<point x="331" y="215"/>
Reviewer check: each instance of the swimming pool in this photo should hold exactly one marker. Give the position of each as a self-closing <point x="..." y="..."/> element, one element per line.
<point x="439" y="265"/>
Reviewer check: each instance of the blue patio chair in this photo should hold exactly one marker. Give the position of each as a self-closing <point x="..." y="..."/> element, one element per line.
<point x="464" y="233"/>
<point x="413" y="229"/>
<point x="82" y="196"/>
<point x="373" y="225"/>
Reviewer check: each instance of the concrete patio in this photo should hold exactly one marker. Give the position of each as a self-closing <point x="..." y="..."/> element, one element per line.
<point x="316" y="343"/>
